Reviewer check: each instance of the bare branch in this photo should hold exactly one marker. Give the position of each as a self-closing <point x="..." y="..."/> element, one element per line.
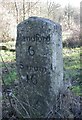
<point x="23" y="9"/>
<point x="16" y="11"/>
<point x="32" y="6"/>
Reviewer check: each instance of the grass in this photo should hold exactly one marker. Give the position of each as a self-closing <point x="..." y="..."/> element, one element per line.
<point x="76" y="90"/>
<point x="9" y="73"/>
<point x="7" y="56"/>
<point x="9" y="78"/>
<point x="71" y="58"/>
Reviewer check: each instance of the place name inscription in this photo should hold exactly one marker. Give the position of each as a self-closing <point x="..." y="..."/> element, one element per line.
<point x="31" y="76"/>
<point x="36" y="68"/>
<point x="33" y="68"/>
<point x="37" y="38"/>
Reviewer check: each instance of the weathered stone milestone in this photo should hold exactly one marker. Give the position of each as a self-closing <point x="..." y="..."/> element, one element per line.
<point x="39" y="64"/>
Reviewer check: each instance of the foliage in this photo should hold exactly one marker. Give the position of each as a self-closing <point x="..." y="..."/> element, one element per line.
<point x="73" y="41"/>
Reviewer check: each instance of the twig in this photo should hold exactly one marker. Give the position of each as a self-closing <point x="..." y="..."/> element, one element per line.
<point x="5" y="67"/>
<point x="32" y="6"/>
<point x="5" y="84"/>
<point x="21" y="105"/>
<point x="16" y="109"/>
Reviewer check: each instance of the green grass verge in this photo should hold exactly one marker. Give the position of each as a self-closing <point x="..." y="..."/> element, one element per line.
<point x="72" y="65"/>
